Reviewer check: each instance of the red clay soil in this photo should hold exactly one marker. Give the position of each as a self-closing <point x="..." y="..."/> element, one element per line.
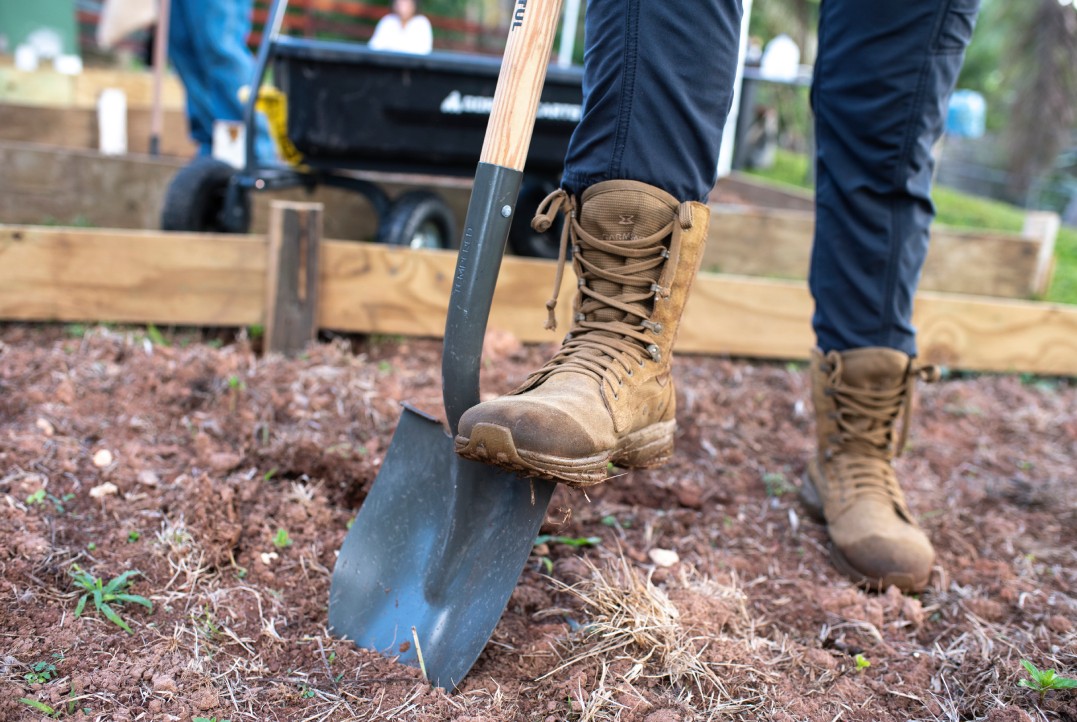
<point x="184" y="462"/>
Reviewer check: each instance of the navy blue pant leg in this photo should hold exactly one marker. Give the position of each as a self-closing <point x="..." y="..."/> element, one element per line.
<point x="883" y="77"/>
<point x="657" y="85"/>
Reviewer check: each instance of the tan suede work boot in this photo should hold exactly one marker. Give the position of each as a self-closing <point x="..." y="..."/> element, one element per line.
<point x="607" y="395"/>
<point x="851" y="484"/>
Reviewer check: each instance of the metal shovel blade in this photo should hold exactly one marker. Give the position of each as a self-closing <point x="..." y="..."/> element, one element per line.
<point x="437" y="548"/>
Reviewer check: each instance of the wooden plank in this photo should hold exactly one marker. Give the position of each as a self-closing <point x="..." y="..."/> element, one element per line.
<point x="63" y="274"/>
<point x="68" y="275"/>
<point x="777" y="243"/>
<point x="46" y="87"/>
<point x="43" y="183"/>
<point x="71" y="187"/>
<point x="295" y="234"/>
<point x="77" y="128"/>
<point x="393" y="290"/>
<point x="1042" y="226"/>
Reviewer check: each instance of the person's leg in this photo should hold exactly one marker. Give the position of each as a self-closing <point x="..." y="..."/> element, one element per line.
<point x="219" y="30"/>
<point x="657" y="87"/>
<point x="882" y="81"/>
<point x="188" y="63"/>
<point x="658" y="83"/>
<point x="883" y="78"/>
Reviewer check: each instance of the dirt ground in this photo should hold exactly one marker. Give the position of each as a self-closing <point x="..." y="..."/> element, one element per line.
<point x="228" y="480"/>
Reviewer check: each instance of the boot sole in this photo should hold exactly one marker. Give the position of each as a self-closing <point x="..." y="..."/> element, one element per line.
<point x="493" y="444"/>
<point x="809" y="496"/>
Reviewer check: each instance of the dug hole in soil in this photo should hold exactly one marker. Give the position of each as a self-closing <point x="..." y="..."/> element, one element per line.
<point x="228" y="480"/>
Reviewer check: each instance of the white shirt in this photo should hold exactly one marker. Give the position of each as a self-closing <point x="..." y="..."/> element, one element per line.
<point x="415" y="37"/>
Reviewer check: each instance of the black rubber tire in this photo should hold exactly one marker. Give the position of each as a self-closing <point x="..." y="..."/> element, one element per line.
<point x="195" y="198"/>
<point x="418" y="219"/>
<point x="525" y="240"/>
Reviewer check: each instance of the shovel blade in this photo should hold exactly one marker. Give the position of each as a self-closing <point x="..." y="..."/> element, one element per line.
<point x="437" y="547"/>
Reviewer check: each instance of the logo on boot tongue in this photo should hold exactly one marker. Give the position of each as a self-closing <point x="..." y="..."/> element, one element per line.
<point x="625" y="220"/>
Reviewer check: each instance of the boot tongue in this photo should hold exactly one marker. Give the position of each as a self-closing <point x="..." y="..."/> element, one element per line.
<point x="874" y="368"/>
<point x="622" y="211"/>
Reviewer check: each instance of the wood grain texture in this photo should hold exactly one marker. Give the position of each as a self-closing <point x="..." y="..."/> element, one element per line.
<point x="63" y="274"/>
<point x="292" y="274"/>
<point x="45" y="87"/>
<point x="77" y="275"/>
<point x="777" y="243"/>
<point x="523" y="71"/>
<point x="77" y="128"/>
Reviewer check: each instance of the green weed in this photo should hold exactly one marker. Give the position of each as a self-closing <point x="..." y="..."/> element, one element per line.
<point x="281" y="539"/>
<point x="1043" y="681"/>
<point x="41" y="672"/>
<point x="39" y="706"/>
<point x="582" y="541"/>
<point x="862" y="662"/>
<point x="155" y="336"/>
<point x="102" y="594"/>
<point x="133" y="536"/>
<point x="776" y="484"/>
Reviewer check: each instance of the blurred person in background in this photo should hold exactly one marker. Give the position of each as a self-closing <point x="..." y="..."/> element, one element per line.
<point x="403" y="30"/>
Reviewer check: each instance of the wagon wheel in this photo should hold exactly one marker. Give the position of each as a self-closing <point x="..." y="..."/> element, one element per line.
<point x="524" y="239"/>
<point x="419" y="219"/>
<point x="195" y="199"/>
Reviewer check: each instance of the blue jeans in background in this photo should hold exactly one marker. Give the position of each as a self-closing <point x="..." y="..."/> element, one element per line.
<point x="658" y="78"/>
<point x="207" y="43"/>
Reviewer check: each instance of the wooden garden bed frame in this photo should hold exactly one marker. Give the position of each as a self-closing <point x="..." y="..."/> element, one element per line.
<point x="291" y="274"/>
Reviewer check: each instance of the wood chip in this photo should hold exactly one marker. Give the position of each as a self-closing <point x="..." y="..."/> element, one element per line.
<point x="664" y="557"/>
<point x="269" y="557"/>
<point x="102" y="458"/>
<point x="45" y="427"/>
<point x="103" y="490"/>
<point x="148" y="478"/>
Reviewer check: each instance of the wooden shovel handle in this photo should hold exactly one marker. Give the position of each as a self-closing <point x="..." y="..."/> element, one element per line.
<point x="523" y="71"/>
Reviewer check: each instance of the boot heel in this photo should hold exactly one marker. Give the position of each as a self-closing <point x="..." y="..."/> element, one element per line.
<point x="649" y="447"/>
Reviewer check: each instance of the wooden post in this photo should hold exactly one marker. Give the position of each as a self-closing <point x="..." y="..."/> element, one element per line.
<point x="295" y="234"/>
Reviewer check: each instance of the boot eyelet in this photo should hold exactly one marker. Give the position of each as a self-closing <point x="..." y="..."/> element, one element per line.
<point x="629" y="372"/>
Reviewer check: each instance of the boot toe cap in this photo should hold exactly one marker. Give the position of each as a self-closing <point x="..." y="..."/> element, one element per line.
<point x="535" y="428"/>
<point x="900" y="557"/>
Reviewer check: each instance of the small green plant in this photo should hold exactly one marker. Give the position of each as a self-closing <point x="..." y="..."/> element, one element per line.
<point x="1043" y="681"/>
<point x="133" y="536"/>
<point x="39" y="706"/>
<point x="269" y="474"/>
<point x="155" y="336"/>
<point x="92" y="546"/>
<point x="39" y="497"/>
<point x="282" y="540"/>
<point x="209" y="719"/>
<point x="776" y="484"/>
<point x="611" y="520"/>
<point x="385" y="367"/>
<point x="41" y="672"/>
<point x="862" y="662"/>
<point x="102" y="594"/>
<point x="581" y="541"/>
<point x="235" y="383"/>
<point x="306" y="692"/>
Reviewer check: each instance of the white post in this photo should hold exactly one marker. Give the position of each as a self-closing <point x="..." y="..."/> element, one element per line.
<point x="568" y="33"/>
<point x="725" y="154"/>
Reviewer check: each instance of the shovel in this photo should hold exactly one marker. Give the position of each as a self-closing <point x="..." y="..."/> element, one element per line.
<point x="439" y="543"/>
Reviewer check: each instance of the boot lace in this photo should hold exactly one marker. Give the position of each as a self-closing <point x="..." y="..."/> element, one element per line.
<point x="609" y="350"/>
<point x="866" y="419"/>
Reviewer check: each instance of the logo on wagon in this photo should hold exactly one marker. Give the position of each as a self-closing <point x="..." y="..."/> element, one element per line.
<point x="456" y="103"/>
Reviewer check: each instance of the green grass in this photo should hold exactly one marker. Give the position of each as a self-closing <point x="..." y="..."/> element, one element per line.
<point x="957" y="210"/>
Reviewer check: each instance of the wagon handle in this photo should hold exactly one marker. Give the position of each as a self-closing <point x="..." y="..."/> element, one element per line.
<point x="523" y="70"/>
